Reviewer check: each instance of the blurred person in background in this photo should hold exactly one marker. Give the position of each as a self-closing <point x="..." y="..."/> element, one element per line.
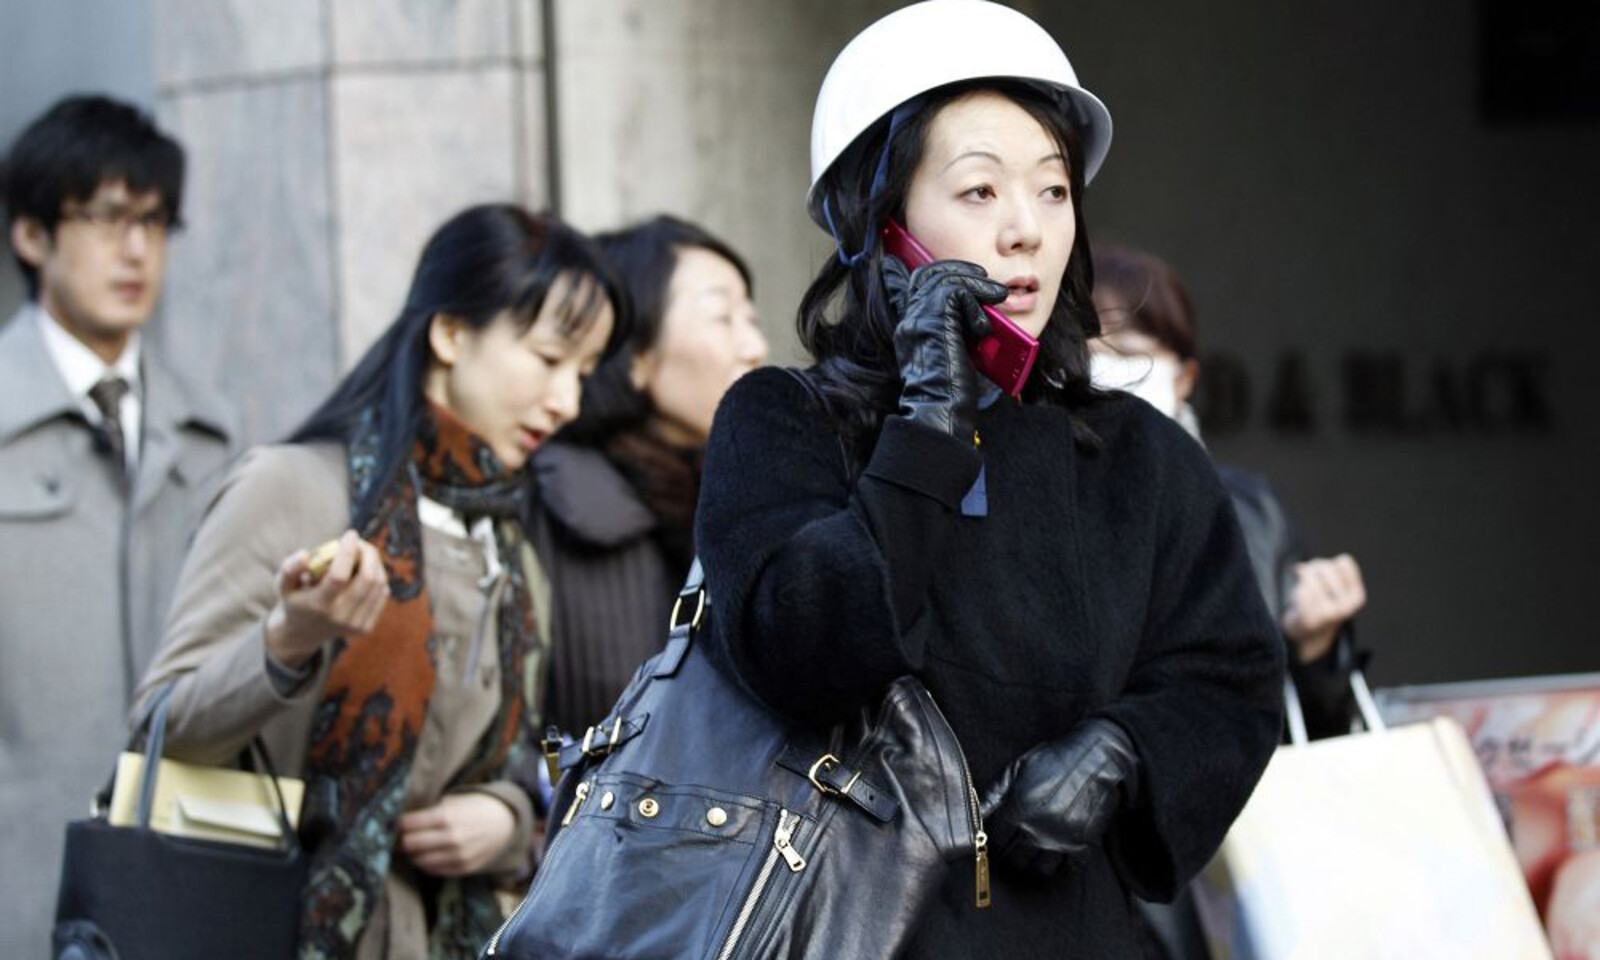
<point x="425" y="612"/>
<point x="1149" y="348"/>
<point x="617" y="490"/>
<point x="106" y="461"/>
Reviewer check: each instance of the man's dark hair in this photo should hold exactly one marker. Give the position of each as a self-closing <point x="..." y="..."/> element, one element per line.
<point x="77" y="145"/>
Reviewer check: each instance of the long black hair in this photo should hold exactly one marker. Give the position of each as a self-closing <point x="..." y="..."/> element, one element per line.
<point x="482" y="262"/>
<point x="845" y="320"/>
<point x="644" y="256"/>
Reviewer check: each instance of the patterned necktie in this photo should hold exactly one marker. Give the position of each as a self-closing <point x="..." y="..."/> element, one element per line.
<point x="107" y="395"/>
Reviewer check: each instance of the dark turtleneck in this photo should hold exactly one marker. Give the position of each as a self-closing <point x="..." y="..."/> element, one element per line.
<point x="614" y="532"/>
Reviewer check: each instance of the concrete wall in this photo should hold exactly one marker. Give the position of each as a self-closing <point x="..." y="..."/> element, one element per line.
<point x="327" y="140"/>
<point x="702" y="108"/>
<point x="1321" y="177"/>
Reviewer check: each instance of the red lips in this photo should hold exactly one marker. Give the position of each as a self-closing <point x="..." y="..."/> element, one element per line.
<point x="529" y="440"/>
<point x="1024" y="294"/>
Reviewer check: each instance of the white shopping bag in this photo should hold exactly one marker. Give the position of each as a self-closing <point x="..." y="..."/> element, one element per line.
<point x="1374" y="846"/>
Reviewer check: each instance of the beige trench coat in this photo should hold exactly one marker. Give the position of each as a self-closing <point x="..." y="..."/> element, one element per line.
<point x="276" y="501"/>
<point x="85" y="577"/>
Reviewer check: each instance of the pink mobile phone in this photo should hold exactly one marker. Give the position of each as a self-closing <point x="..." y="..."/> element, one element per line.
<point x="1006" y="355"/>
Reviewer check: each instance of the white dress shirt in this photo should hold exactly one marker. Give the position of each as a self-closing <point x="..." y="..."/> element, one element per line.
<point x="81" y="369"/>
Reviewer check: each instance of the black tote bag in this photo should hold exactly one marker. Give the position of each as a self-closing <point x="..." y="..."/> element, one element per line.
<point x="693" y="822"/>
<point x="132" y="893"/>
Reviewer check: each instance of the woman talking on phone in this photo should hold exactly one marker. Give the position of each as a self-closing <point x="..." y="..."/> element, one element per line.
<point x="389" y="670"/>
<point x="1059" y="566"/>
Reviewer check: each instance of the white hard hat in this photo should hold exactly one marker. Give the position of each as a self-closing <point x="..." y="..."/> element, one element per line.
<point x="928" y="45"/>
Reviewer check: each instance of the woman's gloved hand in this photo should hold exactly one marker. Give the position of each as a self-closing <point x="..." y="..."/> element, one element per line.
<point x="940" y="316"/>
<point x="1056" y="800"/>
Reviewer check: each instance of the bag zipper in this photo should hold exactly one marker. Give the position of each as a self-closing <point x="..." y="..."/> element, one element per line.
<point x="494" y="941"/>
<point x="782" y="846"/>
<point x="580" y="794"/>
<point x="980" y="839"/>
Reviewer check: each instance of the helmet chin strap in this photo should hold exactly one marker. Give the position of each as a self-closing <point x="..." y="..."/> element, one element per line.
<point x="881" y="174"/>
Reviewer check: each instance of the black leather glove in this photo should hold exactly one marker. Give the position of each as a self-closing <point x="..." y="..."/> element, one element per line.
<point x="938" y="306"/>
<point x="1056" y="800"/>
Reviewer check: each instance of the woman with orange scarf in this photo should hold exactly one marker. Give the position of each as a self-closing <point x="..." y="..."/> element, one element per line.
<point x="392" y="672"/>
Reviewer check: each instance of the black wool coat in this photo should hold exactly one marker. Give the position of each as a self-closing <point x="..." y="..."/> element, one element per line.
<point x="1107" y="584"/>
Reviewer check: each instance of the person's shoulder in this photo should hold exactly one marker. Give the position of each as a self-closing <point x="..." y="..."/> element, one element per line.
<point x="187" y="402"/>
<point x="292" y="473"/>
<point x="1129" y="427"/>
<point x="588" y="497"/>
<point x="1147" y="456"/>
<point x="767" y="385"/>
<point x="769" y="395"/>
<point x="12" y="333"/>
<point x="1246" y="484"/>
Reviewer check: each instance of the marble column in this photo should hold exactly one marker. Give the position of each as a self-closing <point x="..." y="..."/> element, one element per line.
<point x="327" y="139"/>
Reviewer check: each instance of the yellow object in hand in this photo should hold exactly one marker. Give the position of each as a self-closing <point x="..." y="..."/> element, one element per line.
<point x="321" y="558"/>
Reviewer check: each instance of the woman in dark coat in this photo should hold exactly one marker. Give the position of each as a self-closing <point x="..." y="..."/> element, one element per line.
<point x="617" y="491"/>
<point x="1061" y="569"/>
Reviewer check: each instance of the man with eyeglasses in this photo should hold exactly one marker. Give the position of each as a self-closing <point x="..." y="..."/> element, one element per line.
<point x="105" y="459"/>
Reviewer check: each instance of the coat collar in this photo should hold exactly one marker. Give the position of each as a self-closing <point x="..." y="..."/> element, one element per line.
<point x="589" y="497"/>
<point x="32" y="393"/>
<point x="80" y="367"/>
<point x="171" y="409"/>
<point x="31" y="389"/>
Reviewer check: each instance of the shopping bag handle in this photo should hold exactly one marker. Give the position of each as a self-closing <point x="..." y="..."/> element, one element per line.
<point x="154" y="746"/>
<point x="1366" y="705"/>
<point x="154" y="749"/>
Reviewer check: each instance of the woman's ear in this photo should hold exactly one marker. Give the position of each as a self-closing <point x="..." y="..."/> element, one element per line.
<point x="1188" y="376"/>
<point x="444" y="338"/>
<point x="642" y="370"/>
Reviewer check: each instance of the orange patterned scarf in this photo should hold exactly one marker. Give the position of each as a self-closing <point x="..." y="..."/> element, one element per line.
<point x="366" y="727"/>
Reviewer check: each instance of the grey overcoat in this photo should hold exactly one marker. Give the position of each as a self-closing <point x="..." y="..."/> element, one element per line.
<point x="85" y="579"/>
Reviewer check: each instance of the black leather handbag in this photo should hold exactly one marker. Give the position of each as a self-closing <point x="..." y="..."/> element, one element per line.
<point x="694" y="822"/>
<point x="132" y="893"/>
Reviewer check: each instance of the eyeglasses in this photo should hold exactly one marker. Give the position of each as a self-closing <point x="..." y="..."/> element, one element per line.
<point x="114" y="223"/>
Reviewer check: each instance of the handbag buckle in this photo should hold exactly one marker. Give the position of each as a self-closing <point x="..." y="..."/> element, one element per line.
<point x="699" y="611"/>
<point x="604" y="749"/>
<point x="825" y="764"/>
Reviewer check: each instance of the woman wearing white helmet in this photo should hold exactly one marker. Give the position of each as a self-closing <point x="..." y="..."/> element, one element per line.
<point x="1059" y="566"/>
